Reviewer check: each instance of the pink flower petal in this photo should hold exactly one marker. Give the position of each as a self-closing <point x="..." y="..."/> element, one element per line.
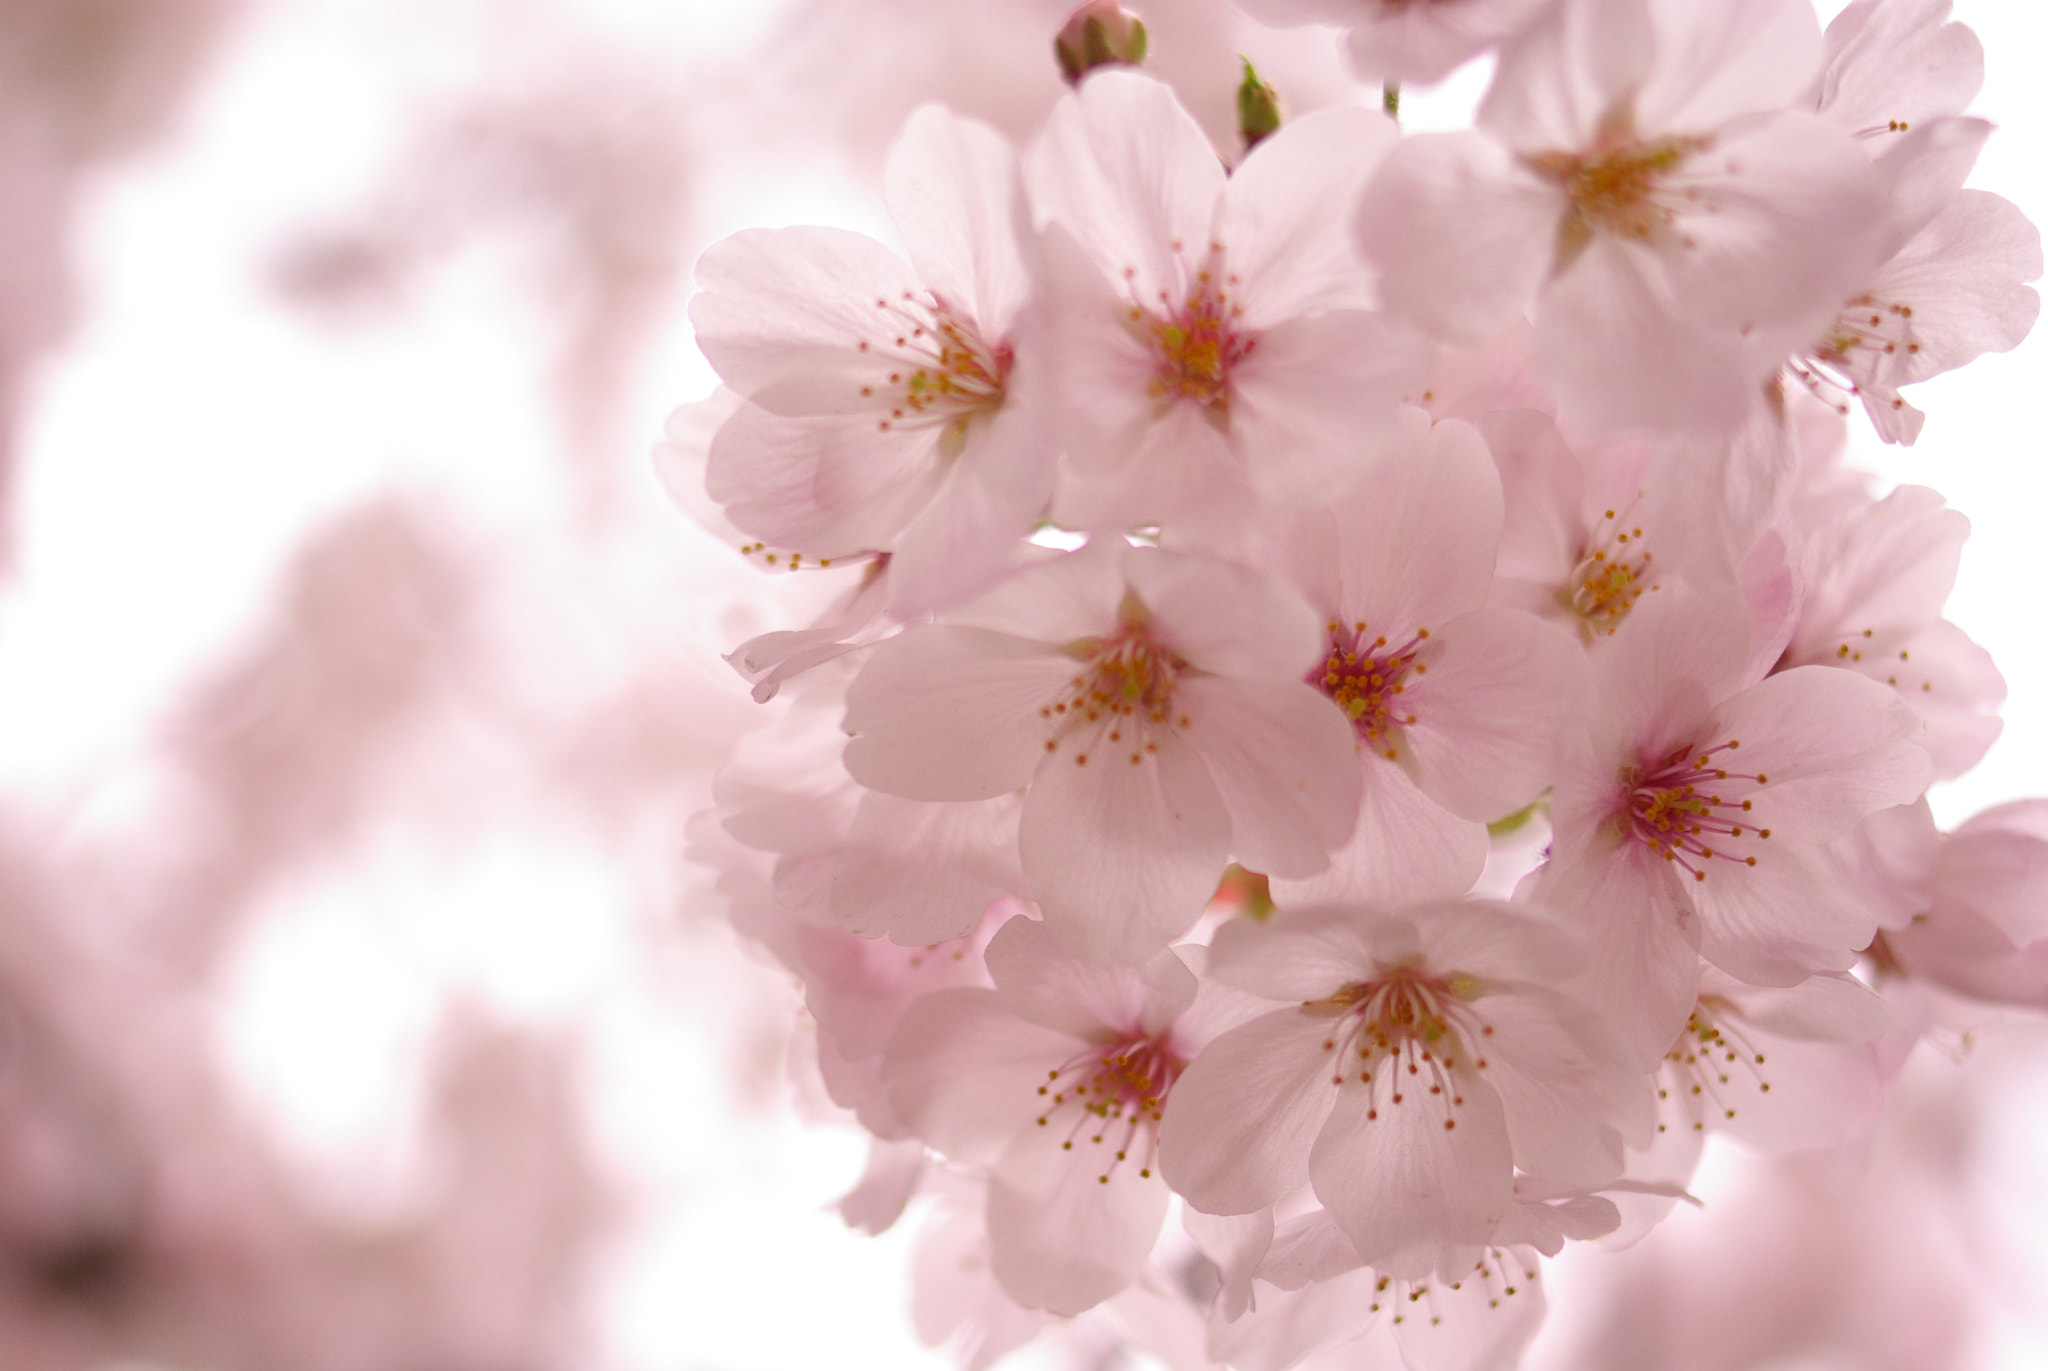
<point x="1401" y="1184"/>
<point x="1123" y="857"/>
<point x="954" y="190"/>
<point x="1460" y="235"/>
<point x="1061" y="1239"/>
<point x="1276" y="751"/>
<point x="945" y="713"/>
<point x="782" y="313"/>
<point x="963" y="1071"/>
<point x="1242" y="1117"/>
<point x="1044" y="984"/>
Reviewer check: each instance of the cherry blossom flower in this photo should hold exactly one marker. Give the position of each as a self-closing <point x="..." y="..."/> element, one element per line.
<point x="1951" y="286"/>
<point x="1778" y="1070"/>
<point x="1645" y="175"/>
<point x="1427" y="1056"/>
<point x="890" y="404"/>
<point x="1212" y="332"/>
<point x="1692" y="814"/>
<point x="1155" y="708"/>
<point x="1057" y="1078"/>
<point x="1875" y="581"/>
<point x="1593" y="528"/>
<point x="1455" y="706"/>
<point x="1573" y="546"/>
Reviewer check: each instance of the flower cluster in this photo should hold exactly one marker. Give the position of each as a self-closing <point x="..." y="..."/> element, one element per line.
<point x="1241" y="553"/>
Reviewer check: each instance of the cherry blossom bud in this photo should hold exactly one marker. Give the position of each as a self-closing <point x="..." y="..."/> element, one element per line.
<point x="1100" y="33"/>
<point x="1258" y="107"/>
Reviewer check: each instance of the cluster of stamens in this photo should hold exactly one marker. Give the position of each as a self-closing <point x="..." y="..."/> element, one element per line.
<point x="1612" y="574"/>
<point x="1494" y="1271"/>
<point x="1867" y="331"/>
<point x="1365" y="677"/>
<point x="949" y="375"/>
<point x="1854" y="650"/>
<point x="1123" y="693"/>
<point x="1702" y="1064"/>
<point x="1619" y="185"/>
<point x="1675" y="809"/>
<point x="1411" y="1028"/>
<point x="1195" y="342"/>
<point x="1113" y="1096"/>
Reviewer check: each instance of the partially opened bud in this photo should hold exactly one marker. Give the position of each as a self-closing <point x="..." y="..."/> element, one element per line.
<point x="1258" y="107"/>
<point x="1099" y="34"/>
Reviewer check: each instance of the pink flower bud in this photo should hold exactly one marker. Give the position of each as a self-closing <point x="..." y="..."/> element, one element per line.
<point x="1100" y="33"/>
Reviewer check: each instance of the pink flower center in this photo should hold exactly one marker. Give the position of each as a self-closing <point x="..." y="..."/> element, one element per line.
<point x="1612" y="574"/>
<point x="1412" y="1028"/>
<point x="1195" y="343"/>
<point x="949" y="375"/>
<point x="1842" y="364"/>
<point x="1365" y="679"/>
<point x="1122" y="693"/>
<point x="1113" y="1095"/>
<point x="1675" y="807"/>
<point x="1621" y="185"/>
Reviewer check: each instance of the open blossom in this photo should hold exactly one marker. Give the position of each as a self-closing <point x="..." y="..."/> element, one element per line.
<point x="889" y="403"/>
<point x="1455" y="707"/>
<point x="1424" y="1057"/>
<point x="1778" y="1070"/>
<point x="1876" y="578"/>
<point x="1951" y="285"/>
<point x="1692" y="815"/>
<point x="1211" y="332"/>
<point x="1154" y="705"/>
<point x="1646" y="183"/>
<point x="1057" y="1078"/>
<point x="1593" y="528"/>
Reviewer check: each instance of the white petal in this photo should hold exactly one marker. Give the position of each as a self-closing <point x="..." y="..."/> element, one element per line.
<point x="1715" y="62"/>
<point x="823" y="485"/>
<point x="1405" y="847"/>
<point x="922" y="872"/>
